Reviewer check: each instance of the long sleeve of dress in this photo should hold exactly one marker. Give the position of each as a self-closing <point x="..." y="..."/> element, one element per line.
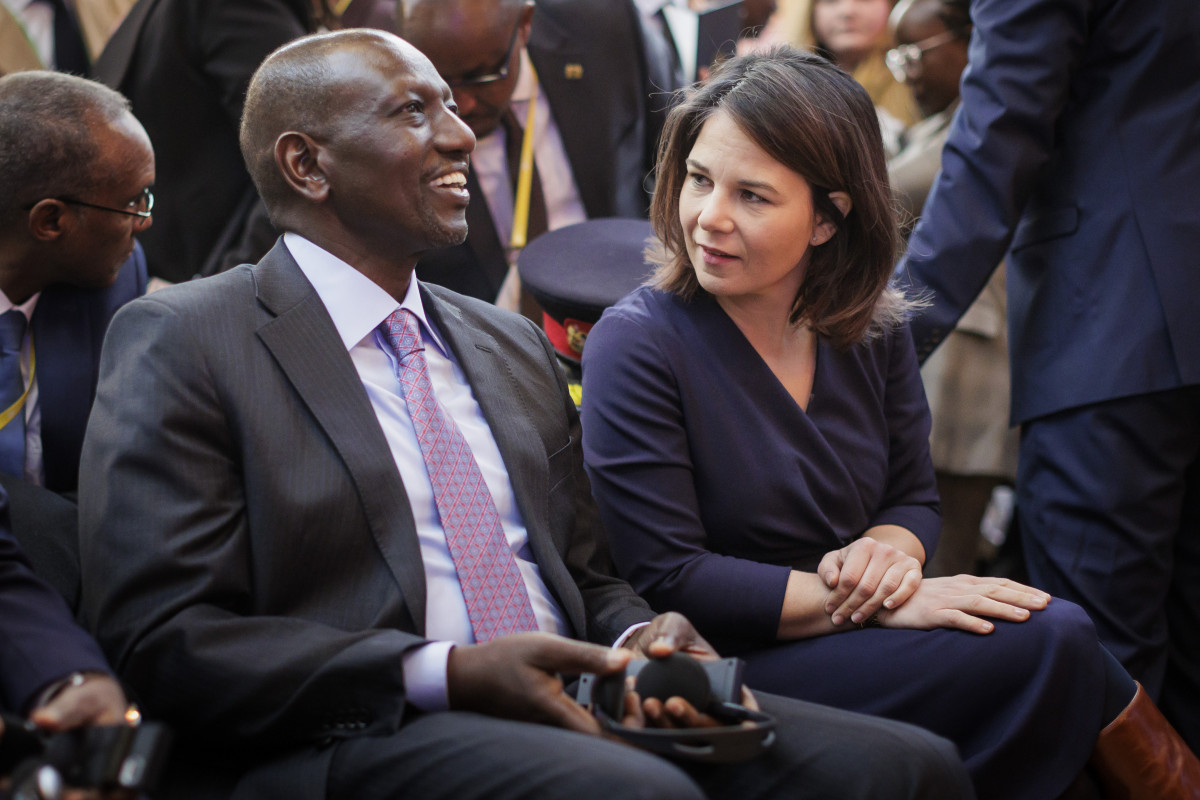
<point x="713" y="484"/>
<point x="640" y="465"/>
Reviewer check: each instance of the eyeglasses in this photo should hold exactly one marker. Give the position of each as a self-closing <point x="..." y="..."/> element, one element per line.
<point x="142" y="207"/>
<point x="904" y="60"/>
<point x="499" y="73"/>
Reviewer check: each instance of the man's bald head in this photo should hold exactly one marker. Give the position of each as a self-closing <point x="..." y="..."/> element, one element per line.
<point x="352" y="140"/>
<point x="300" y="87"/>
<point x="293" y="90"/>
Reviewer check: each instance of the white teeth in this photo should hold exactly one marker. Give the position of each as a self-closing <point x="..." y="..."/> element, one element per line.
<point x="453" y="179"/>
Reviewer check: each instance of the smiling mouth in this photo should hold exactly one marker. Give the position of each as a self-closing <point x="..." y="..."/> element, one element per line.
<point x="454" y="184"/>
<point x="453" y="180"/>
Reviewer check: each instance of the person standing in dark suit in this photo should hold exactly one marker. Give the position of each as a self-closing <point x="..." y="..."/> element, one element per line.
<point x="273" y="555"/>
<point x="80" y="167"/>
<point x="1074" y="153"/>
<point x="583" y="68"/>
<point x="185" y="65"/>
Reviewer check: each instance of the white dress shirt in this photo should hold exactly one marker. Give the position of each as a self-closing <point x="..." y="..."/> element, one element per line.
<point x="33" y="408"/>
<point x="358" y="306"/>
<point x="563" y="204"/>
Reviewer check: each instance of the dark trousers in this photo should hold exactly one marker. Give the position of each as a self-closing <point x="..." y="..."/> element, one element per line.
<point x="1109" y="504"/>
<point x="819" y="753"/>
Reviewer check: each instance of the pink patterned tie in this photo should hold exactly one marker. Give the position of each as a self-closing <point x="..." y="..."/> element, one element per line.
<point x="497" y="601"/>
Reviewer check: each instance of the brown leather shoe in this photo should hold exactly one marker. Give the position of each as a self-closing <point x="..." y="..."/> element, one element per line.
<point x="1139" y="756"/>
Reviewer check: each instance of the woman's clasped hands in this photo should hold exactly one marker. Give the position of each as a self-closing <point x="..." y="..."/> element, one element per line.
<point x="869" y="578"/>
<point x="865" y="577"/>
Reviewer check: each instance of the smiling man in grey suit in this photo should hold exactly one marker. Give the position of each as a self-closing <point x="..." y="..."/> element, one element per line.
<point x="269" y="554"/>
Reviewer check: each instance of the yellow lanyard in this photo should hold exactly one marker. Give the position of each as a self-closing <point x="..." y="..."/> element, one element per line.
<point x="524" y="174"/>
<point x="9" y="413"/>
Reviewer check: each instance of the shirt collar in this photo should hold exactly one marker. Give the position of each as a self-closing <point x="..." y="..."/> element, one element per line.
<point x="26" y="307"/>
<point x="651" y="7"/>
<point x="524" y="88"/>
<point x="356" y="304"/>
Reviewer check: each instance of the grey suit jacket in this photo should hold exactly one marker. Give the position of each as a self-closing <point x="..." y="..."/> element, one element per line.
<point x="250" y="562"/>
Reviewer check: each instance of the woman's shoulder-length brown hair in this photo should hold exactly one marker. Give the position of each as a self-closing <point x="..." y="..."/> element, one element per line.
<point x="816" y="120"/>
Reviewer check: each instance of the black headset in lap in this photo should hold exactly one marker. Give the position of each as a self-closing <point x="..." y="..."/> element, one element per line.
<point x="713" y="687"/>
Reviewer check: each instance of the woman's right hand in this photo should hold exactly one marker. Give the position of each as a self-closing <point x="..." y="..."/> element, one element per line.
<point x="962" y="601"/>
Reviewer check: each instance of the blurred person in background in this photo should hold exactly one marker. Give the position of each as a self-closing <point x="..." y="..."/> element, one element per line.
<point x="854" y="35"/>
<point x="966" y="379"/>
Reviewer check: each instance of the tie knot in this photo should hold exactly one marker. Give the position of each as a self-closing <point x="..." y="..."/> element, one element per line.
<point x="403" y="333"/>
<point x="12" y="330"/>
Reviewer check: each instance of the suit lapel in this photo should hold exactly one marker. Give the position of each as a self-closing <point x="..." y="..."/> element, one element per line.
<point x="588" y="149"/>
<point x="496" y="389"/>
<point x="483" y="239"/>
<point x="303" y="340"/>
<point x="99" y="19"/>
<point x="113" y="64"/>
<point x="62" y="338"/>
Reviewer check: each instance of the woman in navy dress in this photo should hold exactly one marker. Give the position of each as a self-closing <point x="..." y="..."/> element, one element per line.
<point x="756" y="435"/>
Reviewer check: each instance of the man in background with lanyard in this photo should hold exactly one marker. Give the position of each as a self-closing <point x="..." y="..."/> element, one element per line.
<point x="558" y="101"/>
<point x="80" y="169"/>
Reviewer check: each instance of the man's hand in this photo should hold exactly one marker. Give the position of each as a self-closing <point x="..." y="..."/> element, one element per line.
<point x="669" y="633"/>
<point x="97" y="700"/>
<point x="961" y="601"/>
<point x="517" y="677"/>
<point x="866" y="576"/>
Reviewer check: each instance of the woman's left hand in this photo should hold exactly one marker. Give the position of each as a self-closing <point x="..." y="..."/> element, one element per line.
<point x="865" y="576"/>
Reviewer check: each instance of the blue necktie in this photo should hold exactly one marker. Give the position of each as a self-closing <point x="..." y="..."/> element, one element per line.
<point x="12" y="388"/>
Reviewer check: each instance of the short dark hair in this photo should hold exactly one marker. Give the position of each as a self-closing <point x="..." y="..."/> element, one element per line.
<point x="819" y="122"/>
<point x="292" y="90"/>
<point x="46" y="144"/>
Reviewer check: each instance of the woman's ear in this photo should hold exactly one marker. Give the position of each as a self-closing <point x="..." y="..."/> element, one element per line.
<point x="825" y="228"/>
<point x="298" y="158"/>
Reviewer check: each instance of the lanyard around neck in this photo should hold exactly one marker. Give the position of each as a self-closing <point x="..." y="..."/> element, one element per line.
<point x="7" y="415"/>
<point x="520" y="225"/>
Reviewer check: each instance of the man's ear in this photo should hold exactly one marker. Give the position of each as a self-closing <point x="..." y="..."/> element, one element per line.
<point x="299" y="159"/>
<point x="825" y="228"/>
<point x="49" y="220"/>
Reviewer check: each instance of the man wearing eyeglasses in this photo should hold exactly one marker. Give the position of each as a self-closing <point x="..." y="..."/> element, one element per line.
<point x="77" y="168"/>
<point x="576" y="69"/>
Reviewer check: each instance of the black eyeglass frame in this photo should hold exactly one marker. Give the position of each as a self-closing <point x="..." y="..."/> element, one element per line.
<point x="146" y="197"/>
<point x="498" y="74"/>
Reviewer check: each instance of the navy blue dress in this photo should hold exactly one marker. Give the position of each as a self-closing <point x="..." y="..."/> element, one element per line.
<point x="713" y="484"/>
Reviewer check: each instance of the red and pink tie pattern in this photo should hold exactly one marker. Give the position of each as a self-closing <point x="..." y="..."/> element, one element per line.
<point x="497" y="600"/>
